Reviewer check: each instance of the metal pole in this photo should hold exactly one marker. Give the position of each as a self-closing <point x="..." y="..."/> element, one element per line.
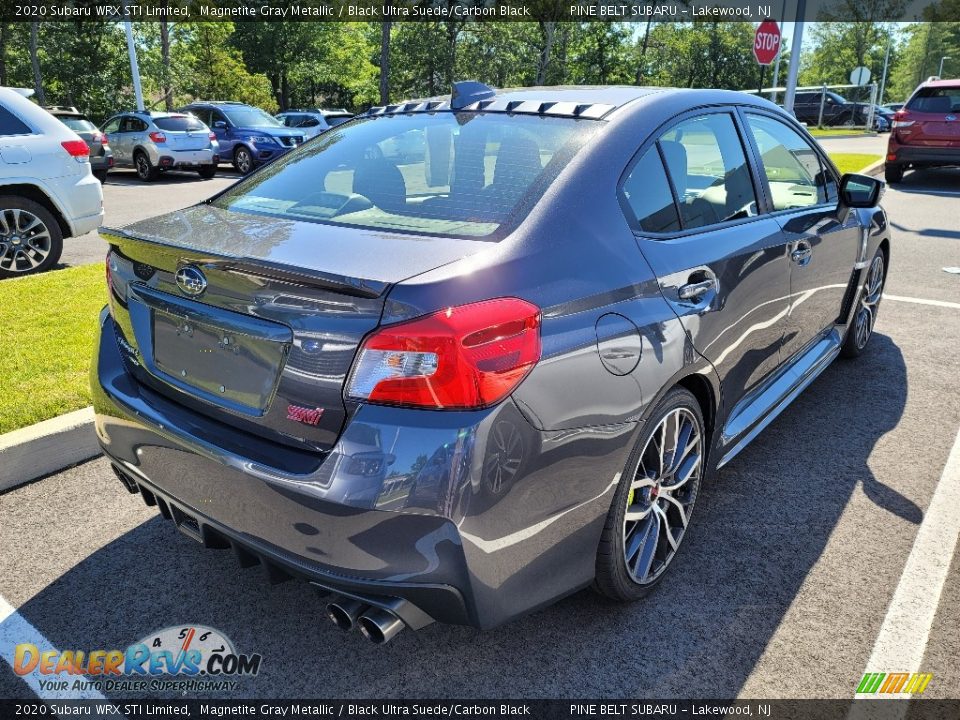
<point x="873" y="106"/>
<point x="823" y="100"/>
<point x="776" y="66"/>
<point x="940" y="71"/>
<point x="883" y="79"/>
<point x="795" y="42"/>
<point x="134" y="67"/>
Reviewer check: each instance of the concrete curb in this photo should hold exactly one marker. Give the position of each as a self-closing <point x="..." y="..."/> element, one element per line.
<point x="47" y="447"/>
<point x="875" y="169"/>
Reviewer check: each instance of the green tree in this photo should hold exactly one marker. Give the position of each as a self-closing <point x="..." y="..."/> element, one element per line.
<point x="205" y="65"/>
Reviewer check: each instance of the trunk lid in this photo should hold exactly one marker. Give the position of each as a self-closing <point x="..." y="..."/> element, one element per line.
<point x="267" y="344"/>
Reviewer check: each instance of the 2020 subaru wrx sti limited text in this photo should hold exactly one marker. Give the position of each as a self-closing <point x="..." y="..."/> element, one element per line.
<point x="460" y="385"/>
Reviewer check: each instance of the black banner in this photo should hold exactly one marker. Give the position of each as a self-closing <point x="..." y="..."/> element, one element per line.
<point x="470" y="10"/>
<point x="878" y="709"/>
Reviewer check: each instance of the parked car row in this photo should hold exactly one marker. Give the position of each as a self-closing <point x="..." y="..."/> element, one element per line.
<point x="197" y="137"/>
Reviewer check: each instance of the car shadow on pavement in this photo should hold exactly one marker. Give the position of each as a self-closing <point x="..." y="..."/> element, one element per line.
<point x="930" y="181"/>
<point x="174" y="177"/>
<point x="759" y="528"/>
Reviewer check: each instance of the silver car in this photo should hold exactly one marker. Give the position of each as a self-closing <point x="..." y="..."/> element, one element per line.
<point x="153" y="142"/>
<point x="314" y="121"/>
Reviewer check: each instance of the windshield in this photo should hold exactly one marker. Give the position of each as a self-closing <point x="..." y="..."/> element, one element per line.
<point x="78" y="124"/>
<point x="334" y="120"/>
<point x="179" y="123"/>
<point x="460" y="174"/>
<point x="250" y="117"/>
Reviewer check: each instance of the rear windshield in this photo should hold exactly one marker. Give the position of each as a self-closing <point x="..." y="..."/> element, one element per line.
<point x="334" y="120"/>
<point x="454" y="174"/>
<point x="77" y="124"/>
<point x="936" y="100"/>
<point x="179" y="123"/>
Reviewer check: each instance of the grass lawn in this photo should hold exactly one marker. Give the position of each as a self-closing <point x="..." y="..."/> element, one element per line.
<point x="853" y="162"/>
<point x="47" y="326"/>
<point x="834" y="132"/>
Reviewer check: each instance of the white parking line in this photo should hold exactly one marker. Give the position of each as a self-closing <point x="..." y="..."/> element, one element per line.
<point x="922" y="301"/>
<point x="15" y="629"/>
<point x="902" y="641"/>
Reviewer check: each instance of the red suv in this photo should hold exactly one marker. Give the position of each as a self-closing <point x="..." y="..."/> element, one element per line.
<point x="926" y="131"/>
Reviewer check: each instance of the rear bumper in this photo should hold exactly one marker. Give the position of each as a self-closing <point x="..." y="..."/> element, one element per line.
<point x="187" y="158"/>
<point x="923" y="156"/>
<point x="81" y="201"/>
<point x="427" y="528"/>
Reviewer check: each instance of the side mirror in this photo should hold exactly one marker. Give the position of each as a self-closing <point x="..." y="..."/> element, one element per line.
<point x="220" y="125"/>
<point x="860" y="191"/>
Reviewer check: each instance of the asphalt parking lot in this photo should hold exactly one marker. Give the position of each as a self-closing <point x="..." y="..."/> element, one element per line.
<point x="796" y="551"/>
<point x="127" y="199"/>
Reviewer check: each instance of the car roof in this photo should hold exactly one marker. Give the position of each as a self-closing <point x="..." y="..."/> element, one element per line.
<point x="953" y="82"/>
<point x="36" y="117"/>
<point x="214" y="103"/>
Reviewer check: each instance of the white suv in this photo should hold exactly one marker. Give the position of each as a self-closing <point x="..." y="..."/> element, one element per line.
<point x="47" y="190"/>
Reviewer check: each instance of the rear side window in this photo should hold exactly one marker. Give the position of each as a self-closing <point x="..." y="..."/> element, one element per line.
<point x="936" y="100"/>
<point x="706" y="161"/>
<point x="794" y="172"/>
<point x="178" y="123"/>
<point x="648" y="196"/>
<point x="453" y="174"/>
<point x="10" y="124"/>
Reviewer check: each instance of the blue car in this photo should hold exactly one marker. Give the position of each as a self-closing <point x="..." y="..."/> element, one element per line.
<point x="247" y="135"/>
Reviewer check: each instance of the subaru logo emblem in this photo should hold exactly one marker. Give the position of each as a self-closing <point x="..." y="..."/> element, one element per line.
<point x="191" y="280"/>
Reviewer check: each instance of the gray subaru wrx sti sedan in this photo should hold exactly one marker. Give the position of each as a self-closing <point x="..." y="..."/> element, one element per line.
<point x="458" y="383"/>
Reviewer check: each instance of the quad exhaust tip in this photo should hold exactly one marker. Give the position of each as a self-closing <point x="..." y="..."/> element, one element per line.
<point x="345" y="613"/>
<point x="377" y="625"/>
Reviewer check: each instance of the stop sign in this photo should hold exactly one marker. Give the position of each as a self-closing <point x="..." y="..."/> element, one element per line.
<point x="766" y="43"/>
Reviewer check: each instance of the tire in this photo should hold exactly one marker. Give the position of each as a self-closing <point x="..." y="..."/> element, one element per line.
<point x="101" y="175"/>
<point x="628" y="566"/>
<point x="145" y="169"/>
<point x="868" y="306"/>
<point x="893" y="173"/>
<point x="207" y="171"/>
<point x="30" y="237"/>
<point x="243" y="161"/>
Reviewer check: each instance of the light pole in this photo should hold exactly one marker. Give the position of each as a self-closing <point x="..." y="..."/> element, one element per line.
<point x="796" y="40"/>
<point x="940" y="72"/>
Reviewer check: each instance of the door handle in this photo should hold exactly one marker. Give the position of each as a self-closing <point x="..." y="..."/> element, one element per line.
<point x="692" y="291"/>
<point x="801" y="255"/>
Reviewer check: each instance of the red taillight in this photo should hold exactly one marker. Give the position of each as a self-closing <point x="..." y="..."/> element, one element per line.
<point x="468" y="356"/>
<point x="900" y="120"/>
<point x="213" y="136"/>
<point x="97" y="137"/>
<point x="158" y="137"/>
<point x="77" y="148"/>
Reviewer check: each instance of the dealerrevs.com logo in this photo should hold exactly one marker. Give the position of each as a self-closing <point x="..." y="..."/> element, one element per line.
<point x="190" y="657"/>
